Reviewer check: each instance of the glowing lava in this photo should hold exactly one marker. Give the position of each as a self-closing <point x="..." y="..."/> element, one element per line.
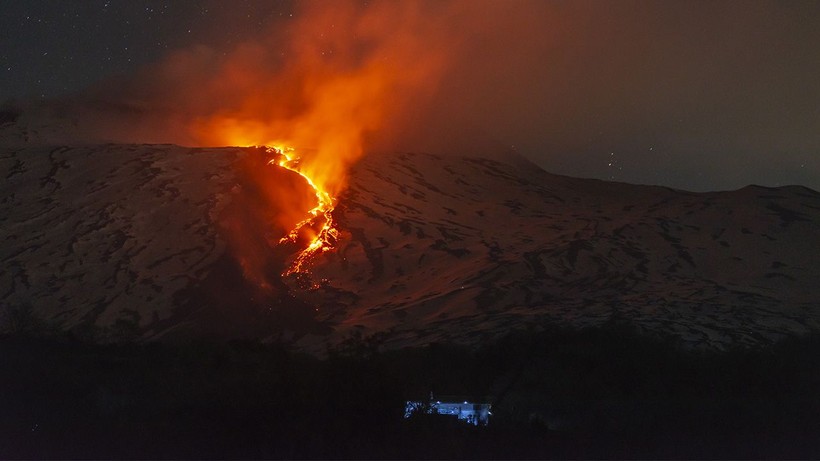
<point x="326" y="237"/>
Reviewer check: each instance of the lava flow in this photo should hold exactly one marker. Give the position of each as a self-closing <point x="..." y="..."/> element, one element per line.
<point x="326" y="237"/>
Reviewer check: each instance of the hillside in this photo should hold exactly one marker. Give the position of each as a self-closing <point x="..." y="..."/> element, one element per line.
<point x="442" y="247"/>
<point x="146" y="242"/>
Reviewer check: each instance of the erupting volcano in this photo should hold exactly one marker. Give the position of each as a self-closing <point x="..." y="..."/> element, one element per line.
<point x="268" y="229"/>
<point x="342" y="75"/>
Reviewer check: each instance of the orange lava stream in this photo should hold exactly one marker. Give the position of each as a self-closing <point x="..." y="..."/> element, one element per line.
<point x="327" y="235"/>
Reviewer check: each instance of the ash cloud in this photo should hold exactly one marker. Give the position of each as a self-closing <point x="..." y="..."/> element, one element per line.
<point x="710" y="95"/>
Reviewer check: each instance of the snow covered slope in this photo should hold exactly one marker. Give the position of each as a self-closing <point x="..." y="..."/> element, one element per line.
<point x="432" y="248"/>
<point x="454" y="248"/>
<point x="100" y="233"/>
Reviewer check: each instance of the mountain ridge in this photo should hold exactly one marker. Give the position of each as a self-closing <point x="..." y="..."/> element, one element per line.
<point x="432" y="248"/>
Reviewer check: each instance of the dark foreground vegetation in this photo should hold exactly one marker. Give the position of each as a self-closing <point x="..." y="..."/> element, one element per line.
<point x="594" y="393"/>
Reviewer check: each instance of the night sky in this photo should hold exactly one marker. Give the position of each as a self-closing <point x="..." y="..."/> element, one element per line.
<point x="694" y="95"/>
<point x="53" y="47"/>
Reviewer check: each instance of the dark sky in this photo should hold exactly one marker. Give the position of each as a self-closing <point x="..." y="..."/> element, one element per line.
<point x="53" y="47"/>
<point x="696" y="95"/>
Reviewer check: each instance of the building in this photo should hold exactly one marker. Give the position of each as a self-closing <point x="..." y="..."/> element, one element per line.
<point x="477" y="414"/>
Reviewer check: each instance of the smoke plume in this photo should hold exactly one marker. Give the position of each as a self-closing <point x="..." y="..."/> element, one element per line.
<point x="339" y="79"/>
<point x="701" y="96"/>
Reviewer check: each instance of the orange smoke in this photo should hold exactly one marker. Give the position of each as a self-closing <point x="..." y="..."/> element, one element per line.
<point x="345" y="69"/>
<point x="336" y="80"/>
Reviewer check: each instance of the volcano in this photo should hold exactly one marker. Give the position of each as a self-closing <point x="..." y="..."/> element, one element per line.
<point x="154" y="242"/>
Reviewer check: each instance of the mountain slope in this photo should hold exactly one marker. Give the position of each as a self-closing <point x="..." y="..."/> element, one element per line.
<point x="154" y="241"/>
<point x="93" y="234"/>
<point x="442" y="248"/>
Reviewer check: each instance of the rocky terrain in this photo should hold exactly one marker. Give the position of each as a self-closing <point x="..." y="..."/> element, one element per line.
<point x="151" y="242"/>
<point x="443" y="247"/>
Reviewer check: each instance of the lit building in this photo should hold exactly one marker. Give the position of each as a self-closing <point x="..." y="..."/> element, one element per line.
<point x="477" y="414"/>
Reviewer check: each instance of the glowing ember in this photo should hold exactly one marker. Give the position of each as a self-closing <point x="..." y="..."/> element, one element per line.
<point x="328" y="234"/>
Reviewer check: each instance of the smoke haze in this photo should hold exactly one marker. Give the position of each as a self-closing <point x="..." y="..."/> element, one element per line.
<point x="709" y="95"/>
